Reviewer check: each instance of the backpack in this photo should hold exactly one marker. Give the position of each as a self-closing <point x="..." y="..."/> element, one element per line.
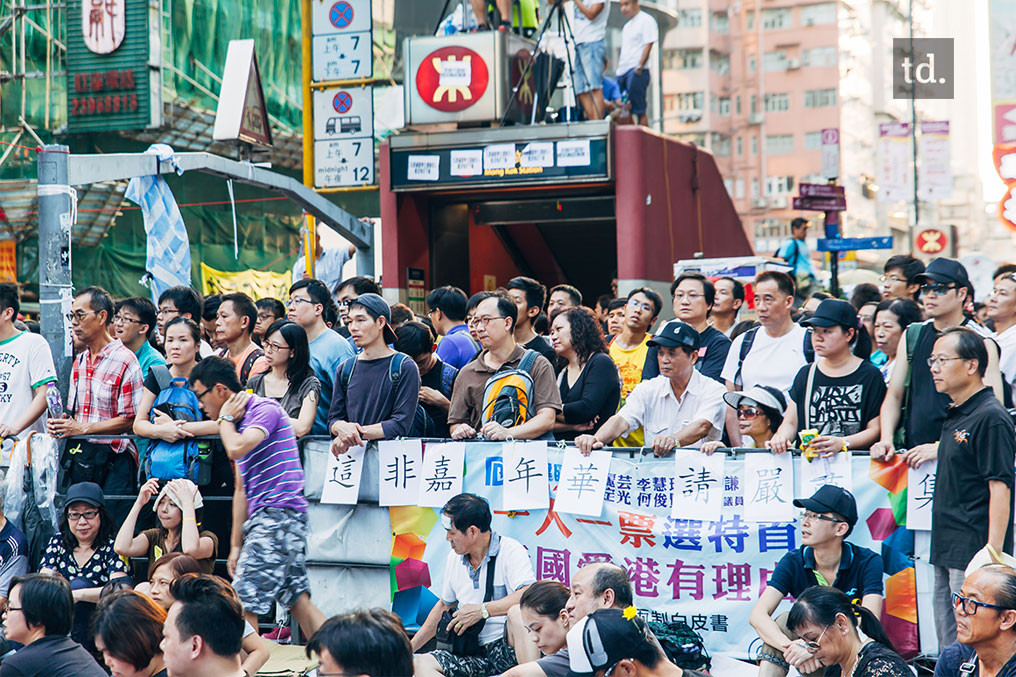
<point x="174" y="460"/>
<point x="684" y="647"/>
<point x="749" y="339"/>
<point x="508" y="394"/>
<point x="248" y="364"/>
<point x="423" y="424"/>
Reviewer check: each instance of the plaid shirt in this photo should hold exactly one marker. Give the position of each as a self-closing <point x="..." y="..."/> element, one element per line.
<point x="108" y="388"/>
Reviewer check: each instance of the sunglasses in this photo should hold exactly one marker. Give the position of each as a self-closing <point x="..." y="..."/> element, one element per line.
<point x="748" y="413"/>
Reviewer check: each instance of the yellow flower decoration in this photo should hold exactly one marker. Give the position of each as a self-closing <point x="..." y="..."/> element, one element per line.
<point x="630" y="613"/>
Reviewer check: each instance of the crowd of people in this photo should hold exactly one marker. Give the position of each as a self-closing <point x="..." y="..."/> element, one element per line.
<point x="203" y="397"/>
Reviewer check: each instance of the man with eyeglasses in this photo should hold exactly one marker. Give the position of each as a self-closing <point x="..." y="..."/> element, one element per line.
<point x="972" y="504"/>
<point x="899" y="280"/>
<point x="447" y="313"/>
<point x="308" y="299"/>
<point x="636" y="361"/>
<point x="824" y="558"/>
<point x="133" y="324"/>
<point x="912" y="401"/>
<point x="693" y="297"/>
<point x="105" y="391"/>
<point x="985" y="612"/>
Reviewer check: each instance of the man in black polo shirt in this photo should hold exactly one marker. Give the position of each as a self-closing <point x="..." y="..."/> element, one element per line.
<point x="973" y="487"/>
<point x="824" y="556"/>
<point x="945" y="289"/>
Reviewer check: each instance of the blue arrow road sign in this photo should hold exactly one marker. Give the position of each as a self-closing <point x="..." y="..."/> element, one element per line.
<point x="843" y="244"/>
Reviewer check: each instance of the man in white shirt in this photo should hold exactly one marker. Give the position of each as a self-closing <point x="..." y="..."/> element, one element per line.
<point x="26" y="370"/>
<point x="466" y="518"/>
<point x="327" y="266"/>
<point x="678" y="408"/>
<point x="776" y="350"/>
<point x="589" y="26"/>
<point x="638" y="36"/>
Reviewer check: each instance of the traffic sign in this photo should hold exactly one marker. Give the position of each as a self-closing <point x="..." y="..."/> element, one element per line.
<point x="342" y="56"/>
<point x="821" y="204"/>
<point x="340" y="16"/>
<point x="1005" y="123"/>
<point x="343" y="162"/>
<point x="830" y="153"/>
<point x="343" y="113"/>
<point x="841" y="244"/>
<point x="820" y="190"/>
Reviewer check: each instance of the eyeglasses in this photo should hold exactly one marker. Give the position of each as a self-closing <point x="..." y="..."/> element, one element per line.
<point x="346" y="303"/>
<point x="935" y="361"/>
<point x="938" y="288"/>
<point x="891" y="278"/>
<point x="808" y="516"/>
<point x="969" y="606"/>
<point x="482" y="322"/>
<point x="608" y="673"/>
<point x="167" y="311"/>
<point x="79" y="316"/>
<point x="640" y="306"/>
<point x="270" y="347"/>
<point x="203" y="393"/>
<point x="78" y="516"/>
<point x="681" y="296"/>
<point x="296" y="299"/>
<point x="120" y="319"/>
<point x="13" y="608"/>
<point x="748" y="413"/>
<point x="814" y="645"/>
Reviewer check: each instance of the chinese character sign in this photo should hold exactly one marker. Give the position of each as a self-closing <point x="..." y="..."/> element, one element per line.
<point x="698" y="485"/>
<point x="441" y="474"/>
<point x="399" y="471"/>
<point x="818" y="472"/>
<point x="525" y="476"/>
<point x="583" y="482"/>
<point x="920" y="490"/>
<point x="342" y="477"/>
<point x="768" y="487"/>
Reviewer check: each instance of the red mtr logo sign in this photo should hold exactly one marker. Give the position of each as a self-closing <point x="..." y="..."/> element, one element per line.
<point x="931" y="241"/>
<point x="452" y="79"/>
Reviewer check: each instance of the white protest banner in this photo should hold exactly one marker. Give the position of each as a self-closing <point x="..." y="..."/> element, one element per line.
<point x="818" y="472"/>
<point x="583" y="481"/>
<point x="768" y="488"/>
<point x="441" y="474"/>
<point x="525" y="476"/>
<point x="342" y="477"/>
<point x="920" y="489"/>
<point x="399" y="466"/>
<point x="698" y="485"/>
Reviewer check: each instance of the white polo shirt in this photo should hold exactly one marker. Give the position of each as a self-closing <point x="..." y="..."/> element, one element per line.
<point x="653" y="407"/>
<point x="465" y="585"/>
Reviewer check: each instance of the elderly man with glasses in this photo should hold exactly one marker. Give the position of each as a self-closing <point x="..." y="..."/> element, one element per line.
<point x="985" y="612"/>
<point x="824" y="558"/>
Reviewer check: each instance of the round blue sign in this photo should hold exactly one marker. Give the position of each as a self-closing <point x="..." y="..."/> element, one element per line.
<point x="341" y="14"/>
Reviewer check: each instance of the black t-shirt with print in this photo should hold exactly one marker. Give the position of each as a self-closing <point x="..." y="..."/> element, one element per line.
<point x="841" y="405"/>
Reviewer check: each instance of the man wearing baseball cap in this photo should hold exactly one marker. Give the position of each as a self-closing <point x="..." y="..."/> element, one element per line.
<point x="375" y="393"/>
<point x="678" y="408"/>
<point x="824" y="558"/>
<point x="911" y="401"/>
<point x="617" y="642"/>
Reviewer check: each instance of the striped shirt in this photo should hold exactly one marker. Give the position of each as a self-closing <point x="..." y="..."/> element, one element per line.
<point x="271" y="472"/>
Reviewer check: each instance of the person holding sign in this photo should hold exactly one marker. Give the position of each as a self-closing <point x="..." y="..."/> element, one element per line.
<point x="678" y="408"/>
<point x="824" y="558"/>
<point x="485" y="575"/>
<point x="839" y="395"/>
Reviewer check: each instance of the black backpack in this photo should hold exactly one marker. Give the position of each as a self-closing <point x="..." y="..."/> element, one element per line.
<point x="423" y="424"/>
<point x="684" y="647"/>
<point x="749" y="339"/>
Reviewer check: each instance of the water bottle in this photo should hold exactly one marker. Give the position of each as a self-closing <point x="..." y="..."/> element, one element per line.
<point x="54" y="402"/>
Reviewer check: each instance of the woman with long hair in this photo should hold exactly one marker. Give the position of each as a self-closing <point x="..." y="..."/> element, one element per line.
<point x="826" y="622"/>
<point x="179" y="507"/>
<point x="290" y="381"/>
<point x="542" y="611"/>
<point x="760" y="411"/>
<point x="82" y="552"/>
<point x="170" y="567"/>
<point x="589" y="383"/>
<point x="127" y="629"/>
<point x="839" y="395"/>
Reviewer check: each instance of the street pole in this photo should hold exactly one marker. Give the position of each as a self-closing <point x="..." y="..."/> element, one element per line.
<point x="913" y="122"/>
<point x="831" y="223"/>
<point x="55" y="256"/>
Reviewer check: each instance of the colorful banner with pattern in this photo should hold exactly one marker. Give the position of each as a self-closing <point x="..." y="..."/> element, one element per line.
<point x="706" y="573"/>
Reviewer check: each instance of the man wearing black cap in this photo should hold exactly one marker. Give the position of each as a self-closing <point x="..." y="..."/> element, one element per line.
<point x="911" y="399"/>
<point x="617" y="642"/>
<point x="678" y="408"/>
<point x="375" y="393"/>
<point x="824" y="558"/>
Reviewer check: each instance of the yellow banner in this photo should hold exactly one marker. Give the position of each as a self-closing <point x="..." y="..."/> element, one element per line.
<point x="8" y="261"/>
<point x="256" y="284"/>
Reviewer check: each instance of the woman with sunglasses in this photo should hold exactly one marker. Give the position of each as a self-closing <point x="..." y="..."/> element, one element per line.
<point x="840" y="394"/>
<point x="827" y="622"/>
<point x="82" y="552"/>
<point x="290" y="381"/>
<point x="759" y="414"/>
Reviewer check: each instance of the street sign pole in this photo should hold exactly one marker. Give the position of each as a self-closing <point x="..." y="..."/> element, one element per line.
<point x="832" y="228"/>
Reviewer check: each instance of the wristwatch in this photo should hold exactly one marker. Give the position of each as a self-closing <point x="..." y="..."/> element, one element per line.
<point x="225" y="417"/>
<point x="484" y="612"/>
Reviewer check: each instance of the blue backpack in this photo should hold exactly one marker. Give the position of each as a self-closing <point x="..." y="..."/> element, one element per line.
<point x="174" y="460"/>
